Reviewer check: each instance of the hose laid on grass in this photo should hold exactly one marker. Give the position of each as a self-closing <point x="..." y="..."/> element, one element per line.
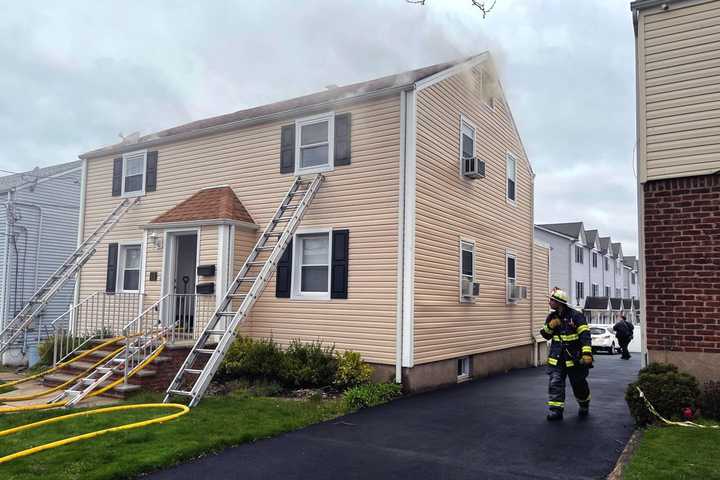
<point x="66" y="441"/>
<point x="63" y="364"/>
<point x="670" y="422"/>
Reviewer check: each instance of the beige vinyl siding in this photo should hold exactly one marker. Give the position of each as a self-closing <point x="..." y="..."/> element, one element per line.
<point x="540" y="286"/>
<point x="243" y="244"/>
<point x="679" y="89"/>
<point x="362" y="197"/>
<point x="451" y="208"/>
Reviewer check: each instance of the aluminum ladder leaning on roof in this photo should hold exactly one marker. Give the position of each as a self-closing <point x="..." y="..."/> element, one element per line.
<point x="225" y="321"/>
<point x="55" y="282"/>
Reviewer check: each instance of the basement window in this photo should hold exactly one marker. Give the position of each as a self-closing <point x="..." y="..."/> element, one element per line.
<point x="463" y="368"/>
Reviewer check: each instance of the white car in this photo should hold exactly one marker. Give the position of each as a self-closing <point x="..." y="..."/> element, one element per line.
<point x="603" y="338"/>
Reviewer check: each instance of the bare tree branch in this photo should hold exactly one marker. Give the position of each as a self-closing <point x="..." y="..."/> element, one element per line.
<point x="476" y="3"/>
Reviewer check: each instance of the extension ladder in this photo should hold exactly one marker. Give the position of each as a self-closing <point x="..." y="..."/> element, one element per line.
<point x="55" y="282"/>
<point x="225" y="320"/>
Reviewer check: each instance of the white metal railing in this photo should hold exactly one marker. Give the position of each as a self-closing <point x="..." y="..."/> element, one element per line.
<point x="100" y="315"/>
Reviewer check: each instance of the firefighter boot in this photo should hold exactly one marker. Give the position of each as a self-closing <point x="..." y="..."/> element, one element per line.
<point x="584" y="411"/>
<point x="554" y="415"/>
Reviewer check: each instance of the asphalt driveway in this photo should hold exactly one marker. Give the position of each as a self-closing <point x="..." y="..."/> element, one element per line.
<point x="492" y="428"/>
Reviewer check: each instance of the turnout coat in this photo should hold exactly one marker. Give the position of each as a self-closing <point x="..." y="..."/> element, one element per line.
<point x="570" y="340"/>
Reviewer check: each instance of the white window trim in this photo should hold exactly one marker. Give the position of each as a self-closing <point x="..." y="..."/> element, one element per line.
<point x="465" y="375"/>
<point x="295" y="293"/>
<point x="594" y="290"/>
<point x="119" y="277"/>
<point x="510" y="254"/>
<point x="330" y="118"/>
<point x="460" y="274"/>
<point x="469" y="123"/>
<point x="136" y="193"/>
<point x="512" y="202"/>
<point x="594" y="257"/>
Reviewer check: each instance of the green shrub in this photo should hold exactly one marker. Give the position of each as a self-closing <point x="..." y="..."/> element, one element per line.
<point x="669" y="392"/>
<point x="710" y="400"/>
<point x="351" y="370"/>
<point x="254" y="359"/>
<point x="658" y="368"/>
<point x="309" y="365"/>
<point x="370" y="395"/>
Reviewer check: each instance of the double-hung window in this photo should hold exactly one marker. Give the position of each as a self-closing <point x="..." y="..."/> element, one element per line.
<point x="467" y="269"/>
<point x="607" y="290"/>
<point x="467" y="140"/>
<point x="579" y="291"/>
<point x="594" y="259"/>
<point x="632" y="278"/>
<point x="579" y="254"/>
<point x="594" y="289"/>
<point x="617" y="293"/>
<point x="510" y="273"/>
<point x="129" y="262"/>
<point x="607" y="264"/>
<point x="511" y="174"/>
<point x="133" y="173"/>
<point x="314" y="145"/>
<point x="311" y="272"/>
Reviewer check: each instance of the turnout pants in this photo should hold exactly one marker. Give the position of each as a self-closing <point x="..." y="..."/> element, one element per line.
<point x="624" y="347"/>
<point x="578" y="381"/>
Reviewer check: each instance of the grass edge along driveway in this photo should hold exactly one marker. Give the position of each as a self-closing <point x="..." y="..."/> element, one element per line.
<point x="217" y="423"/>
<point x="672" y="452"/>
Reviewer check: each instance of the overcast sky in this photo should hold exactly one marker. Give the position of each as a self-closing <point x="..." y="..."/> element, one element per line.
<point x="75" y="74"/>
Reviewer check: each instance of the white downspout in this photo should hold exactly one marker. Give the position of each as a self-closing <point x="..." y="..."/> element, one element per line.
<point x="81" y="225"/>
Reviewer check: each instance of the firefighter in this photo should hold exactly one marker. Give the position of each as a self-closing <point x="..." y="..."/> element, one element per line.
<point x="570" y="355"/>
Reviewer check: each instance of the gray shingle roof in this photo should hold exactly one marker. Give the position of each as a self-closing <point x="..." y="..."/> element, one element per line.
<point x="616" y="303"/>
<point x="591" y="236"/>
<point x="629" y="261"/>
<point x="604" y="244"/>
<point x="571" y="229"/>
<point x="334" y="94"/>
<point x="13" y="181"/>
<point x="636" y="304"/>
<point x="616" y="248"/>
<point x="627" y="303"/>
<point x="596" y="303"/>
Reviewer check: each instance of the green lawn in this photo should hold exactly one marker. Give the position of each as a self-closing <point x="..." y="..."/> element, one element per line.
<point x="676" y="453"/>
<point x="218" y="422"/>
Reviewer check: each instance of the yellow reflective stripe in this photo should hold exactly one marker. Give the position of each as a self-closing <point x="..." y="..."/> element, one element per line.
<point x="587" y="349"/>
<point x="569" y="363"/>
<point x="548" y="329"/>
<point x="552" y="361"/>
<point x="582" y="328"/>
<point x="567" y="338"/>
<point x="556" y="404"/>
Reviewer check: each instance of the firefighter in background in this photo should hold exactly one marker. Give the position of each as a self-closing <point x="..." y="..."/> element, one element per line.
<point x="570" y="355"/>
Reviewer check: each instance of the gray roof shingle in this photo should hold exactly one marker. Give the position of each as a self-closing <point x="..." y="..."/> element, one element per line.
<point x="604" y="244"/>
<point x="13" y="181"/>
<point x="596" y="303"/>
<point x="571" y="229"/>
<point x="616" y="303"/>
<point x="591" y="236"/>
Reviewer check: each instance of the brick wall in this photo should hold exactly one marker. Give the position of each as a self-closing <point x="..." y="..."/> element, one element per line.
<point x="682" y="254"/>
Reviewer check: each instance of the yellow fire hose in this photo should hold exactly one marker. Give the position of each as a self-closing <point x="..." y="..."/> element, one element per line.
<point x="63" y="364"/>
<point x="24" y="453"/>
<point x="66" y="441"/>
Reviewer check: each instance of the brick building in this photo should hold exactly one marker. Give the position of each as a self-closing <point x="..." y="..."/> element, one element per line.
<point x="679" y="181"/>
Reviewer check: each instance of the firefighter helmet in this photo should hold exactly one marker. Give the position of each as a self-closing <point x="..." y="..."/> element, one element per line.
<point x="559" y="296"/>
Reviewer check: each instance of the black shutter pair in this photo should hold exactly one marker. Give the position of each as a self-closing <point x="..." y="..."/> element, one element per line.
<point x="150" y="174"/>
<point x="112" y="266"/>
<point x="338" y="273"/>
<point x="341" y="140"/>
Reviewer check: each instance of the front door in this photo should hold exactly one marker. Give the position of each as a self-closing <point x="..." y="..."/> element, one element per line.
<point x="182" y="279"/>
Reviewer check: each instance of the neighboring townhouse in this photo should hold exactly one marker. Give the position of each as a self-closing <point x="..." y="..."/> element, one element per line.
<point x="417" y="251"/>
<point x="570" y="257"/>
<point x="38" y="230"/>
<point x="678" y="161"/>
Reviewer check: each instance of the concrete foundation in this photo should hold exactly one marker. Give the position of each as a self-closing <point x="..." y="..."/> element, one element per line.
<point x="434" y="375"/>
<point x="704" y="366"/>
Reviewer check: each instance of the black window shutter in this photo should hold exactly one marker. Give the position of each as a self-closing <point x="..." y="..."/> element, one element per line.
<point x="112" y="266"/>
<point x="342" y="139"/>
<point x="287" y="149"/>
<point x="339" y="275"/>
<point x="284" y="273"/>
<point x="151" y="171"/>
<point x="117" y="177"/>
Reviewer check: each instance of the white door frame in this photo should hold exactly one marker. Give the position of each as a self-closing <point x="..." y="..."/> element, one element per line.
<point x="170" y="261"/>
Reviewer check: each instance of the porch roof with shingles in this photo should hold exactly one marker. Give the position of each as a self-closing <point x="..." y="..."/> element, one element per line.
<point x="214" y="203"/>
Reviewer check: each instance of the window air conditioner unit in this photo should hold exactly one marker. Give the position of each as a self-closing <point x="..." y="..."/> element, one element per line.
<point x="516" y="293"/>
<point x="470" y="289"/>
<point x="473" y="167"/>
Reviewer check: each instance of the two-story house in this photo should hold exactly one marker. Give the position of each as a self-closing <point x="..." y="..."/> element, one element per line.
<point x="678" y="132"/>
<point x="416" y="251"/>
